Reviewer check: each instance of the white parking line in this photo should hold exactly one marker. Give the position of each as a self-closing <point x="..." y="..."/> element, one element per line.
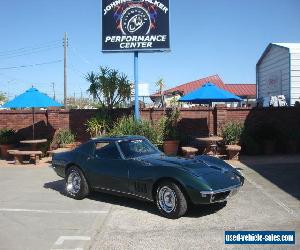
<point x="278" y="202"/>
<point x="20" y="210"/>
<point x="66" y="248"/>
<point x="61" y="239"/>
<point x="271" y="197"/>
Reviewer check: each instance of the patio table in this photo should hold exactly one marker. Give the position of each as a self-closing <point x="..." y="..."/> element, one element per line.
<point x="211" y="144"/>
<point x="34" y="142"/>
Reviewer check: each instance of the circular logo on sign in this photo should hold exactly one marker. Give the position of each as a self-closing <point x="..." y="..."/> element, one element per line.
<point x="135" y="21"/>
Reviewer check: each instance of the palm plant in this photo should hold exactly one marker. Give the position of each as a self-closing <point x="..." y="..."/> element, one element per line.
<point x="161" y="84"/>
<point x="109" y="87"/>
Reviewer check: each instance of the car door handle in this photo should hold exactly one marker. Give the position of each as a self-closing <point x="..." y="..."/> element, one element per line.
<point x="89" y="158"/>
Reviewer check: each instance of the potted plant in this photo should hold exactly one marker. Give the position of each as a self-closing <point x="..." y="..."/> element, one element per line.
<point x="66" y="139"/>
<point x="171" y="136"/>
<point x="7" y="139"/>
<point x="231" y="133"/>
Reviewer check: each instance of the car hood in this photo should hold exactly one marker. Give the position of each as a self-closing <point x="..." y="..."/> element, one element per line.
<point x="200" y="166"/>
<point x="214" y="172"/>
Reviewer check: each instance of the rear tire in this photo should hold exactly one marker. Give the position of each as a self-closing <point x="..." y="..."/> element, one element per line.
<point x="170" y="200"/>
<point x="76" y="184"/>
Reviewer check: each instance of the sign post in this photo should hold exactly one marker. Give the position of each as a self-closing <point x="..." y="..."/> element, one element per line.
<point x="135" y="26"/>
<point x="136" y="86"/>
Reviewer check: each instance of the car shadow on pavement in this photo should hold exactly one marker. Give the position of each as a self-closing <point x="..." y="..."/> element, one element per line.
<point x="284" y="175"/>
<point x="195" y="211"/>
<point x="58" y="186"/>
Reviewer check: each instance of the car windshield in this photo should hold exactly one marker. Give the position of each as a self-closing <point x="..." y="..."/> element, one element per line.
<point x="137" y="148"/>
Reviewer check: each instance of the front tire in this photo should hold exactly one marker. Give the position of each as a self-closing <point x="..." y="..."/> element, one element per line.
<point x="76" y="185"/>
<point x="170" y="200"/>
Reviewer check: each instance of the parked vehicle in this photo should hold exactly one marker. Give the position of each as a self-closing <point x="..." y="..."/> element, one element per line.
<point x="132" y="166"/>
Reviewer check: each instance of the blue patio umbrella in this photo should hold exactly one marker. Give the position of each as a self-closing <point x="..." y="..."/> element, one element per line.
<point x="32" y="98"/>
<point x="207" y="94"/>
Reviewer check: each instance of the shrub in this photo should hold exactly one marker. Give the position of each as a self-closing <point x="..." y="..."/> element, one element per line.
<point x="129" y="126"/>
<point x="170" y="125"/>
<point x="7" y="136"/>
<point x="261" y="137"/>
<point x="232" y="132"/>
<point x="250" y="146"/>
<point x="64" y="136"/>
<point x="97" y="126"/>
<point x="266" y="131"/>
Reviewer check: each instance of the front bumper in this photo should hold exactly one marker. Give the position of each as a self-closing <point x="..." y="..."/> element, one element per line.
<point x="221" y="194"/>
<point x="214" y="196"/>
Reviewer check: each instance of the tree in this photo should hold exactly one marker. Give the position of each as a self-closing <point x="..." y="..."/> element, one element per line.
<point x="3" y="97"/>
<point x="161" y="84"/>
<point x="109" y="87"/>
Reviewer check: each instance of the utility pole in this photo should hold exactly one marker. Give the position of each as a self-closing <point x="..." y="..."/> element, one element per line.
<point x="52" y="83"/>
<point x="65" y="69"/>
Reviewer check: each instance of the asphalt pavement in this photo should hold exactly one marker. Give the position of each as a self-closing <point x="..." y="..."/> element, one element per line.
<point x="35" y="213"/>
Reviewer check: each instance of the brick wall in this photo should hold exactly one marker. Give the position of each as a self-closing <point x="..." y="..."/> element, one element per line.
<point x="193" y="121"/>
<point x="78" y="118"/>
<point x="47" y="121"/>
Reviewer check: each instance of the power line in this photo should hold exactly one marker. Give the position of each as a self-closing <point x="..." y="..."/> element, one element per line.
<point x="30" y="52"/>
<point x="31" y="65"/>
<point x="75" y="52"/>
<point x="74" y="69"/>
<point x="20" y="50"/>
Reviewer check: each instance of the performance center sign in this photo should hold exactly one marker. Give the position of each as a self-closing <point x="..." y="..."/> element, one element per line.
<point x="129" y="25"/>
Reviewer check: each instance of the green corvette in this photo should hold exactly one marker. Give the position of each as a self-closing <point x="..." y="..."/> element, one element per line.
<point x="132" y="166"/>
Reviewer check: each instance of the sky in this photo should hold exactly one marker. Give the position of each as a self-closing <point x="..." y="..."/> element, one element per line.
<point x="224" y="37"/>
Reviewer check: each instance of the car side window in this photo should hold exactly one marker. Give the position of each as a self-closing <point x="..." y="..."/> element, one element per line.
<point x="106" y="150"/>
<point x="86" y="148"/>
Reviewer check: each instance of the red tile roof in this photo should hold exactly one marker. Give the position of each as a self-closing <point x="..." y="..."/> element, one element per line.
<point x="237" y="89"/>
<point x="242" y="89"/>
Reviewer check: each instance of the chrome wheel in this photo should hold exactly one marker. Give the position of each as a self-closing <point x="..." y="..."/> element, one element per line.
<point x="73" y="182"/>
<point x="167" y="199"/>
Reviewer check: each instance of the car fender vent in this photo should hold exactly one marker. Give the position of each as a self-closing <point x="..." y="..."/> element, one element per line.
<point x="140" y="187"/>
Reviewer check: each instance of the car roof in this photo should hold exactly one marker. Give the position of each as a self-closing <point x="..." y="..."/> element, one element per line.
<point x="119" y="138"/>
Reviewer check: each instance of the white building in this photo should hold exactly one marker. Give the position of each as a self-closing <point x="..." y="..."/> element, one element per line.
<point x="278" y="72"/>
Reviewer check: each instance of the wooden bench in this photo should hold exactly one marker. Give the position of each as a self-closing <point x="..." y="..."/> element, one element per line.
<point x="189" y="151"/>
<point x="18" y="156"/>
